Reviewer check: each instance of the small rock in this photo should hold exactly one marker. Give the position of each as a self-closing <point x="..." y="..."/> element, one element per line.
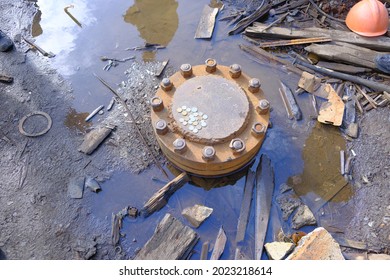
<point x="197" y="214"/>
<point x="352" y="130"/>
<point x="284" y="188"/>
<point x="317" y="245"/>
<point x="76" y="187"/>
<point x="92" y="184"/>
<point x="288" y="203"/>
<point x="278" y="250"/>
<point x="303" y="217"/>
<point x="374" y="257"/>
<point x="5" y="42"/>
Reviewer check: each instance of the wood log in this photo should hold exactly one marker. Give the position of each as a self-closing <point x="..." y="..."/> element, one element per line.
<point x="264" y="192"/>
<point x="381" y="43"/>
<point x="171" y="241"/>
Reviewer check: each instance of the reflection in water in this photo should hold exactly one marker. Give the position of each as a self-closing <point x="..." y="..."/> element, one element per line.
<point x="36" y="28"/>
<point x="77" y="121"/>
<point x="321" y="173"/>
<point x="216" y="4"/>
<point x="156" y="21"/>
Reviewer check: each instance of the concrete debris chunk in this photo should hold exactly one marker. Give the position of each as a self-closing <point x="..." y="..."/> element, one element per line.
<point x="288" y="202"/>
<point x="303" y="217"/>
<point x="317" y="245"/>
<point x="278" y="250"/>
<point x="92" y="184"/>
<point x="197" y="214"/>
<point x="76" y="187"/>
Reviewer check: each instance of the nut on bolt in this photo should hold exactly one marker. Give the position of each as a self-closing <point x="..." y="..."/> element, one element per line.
<point x="211" y="65"/>
<point x="208" y="153"/>
<point x="237" y="145"/>
<point x="179" y="145"/>
<point x="157" y="104"/>
<point x="263" y="107"/>
<point x="186" y="70"/>
<point x="254" y="85"/>
<point x="166" y="84"/>
<point x="258" y="129"/>
<point x="161" y="127"/>
<point x="235" y="71"/>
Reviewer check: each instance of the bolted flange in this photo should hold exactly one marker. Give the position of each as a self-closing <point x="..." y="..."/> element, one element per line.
<point x="258" y="129"/>
<point x="235" y="71"/>
<point x="263" y="107"/>
<point x="179" y="145"/>
<point x="208" y="153"/>
<point x="157" y="104"/>
<point x="254" y="85"/>
<point x="237" y="145"/>
<point x="211" y="65"/>
<point x="166" y="84"/>
<point x="186" y="70"/>
<point x="161" y="127"/>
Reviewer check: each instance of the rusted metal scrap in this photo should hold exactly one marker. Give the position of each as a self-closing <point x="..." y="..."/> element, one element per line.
<point x="42" y="51"/>
<point x="71" y="16"/>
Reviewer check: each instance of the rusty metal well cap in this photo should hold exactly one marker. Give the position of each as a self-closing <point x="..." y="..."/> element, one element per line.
<point x="368" y="18"/>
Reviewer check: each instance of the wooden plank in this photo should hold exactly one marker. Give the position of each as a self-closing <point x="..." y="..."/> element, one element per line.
<point x="219" y="246"/>
<point x="264" y="191"/>
<point x="291" y="102"/>
<point x="205" y="251"/>
<point x="380" y="43"/>
<point x="245" y="22"/>
<point x="93" y="139"/>
<point x="161" y="197"/>
<point x="171" y="241"/>
<point x="349" y="69"/>
<point x="206" y="23"/>
<point x="283" y="43"/>
<point x="245" y="206"/>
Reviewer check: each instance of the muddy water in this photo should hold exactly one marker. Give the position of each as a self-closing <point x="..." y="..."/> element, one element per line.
<point x="108" y="28"/>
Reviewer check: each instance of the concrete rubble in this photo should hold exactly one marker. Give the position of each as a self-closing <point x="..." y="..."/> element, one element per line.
<point x="278" y="250"/>
<point x="197" y="214"/>
<point x="303" y="217"/>
<point x="317" y="245"/>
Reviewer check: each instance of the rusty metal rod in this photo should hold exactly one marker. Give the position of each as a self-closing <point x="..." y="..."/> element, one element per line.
<point x="133" y="121"/>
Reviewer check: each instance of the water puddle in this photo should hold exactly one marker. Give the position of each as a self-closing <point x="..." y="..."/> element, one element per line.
<point x="109" y="28"/>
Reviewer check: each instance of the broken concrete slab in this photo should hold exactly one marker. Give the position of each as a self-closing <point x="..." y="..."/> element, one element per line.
<point x="278" y="250"/>
<point x="76" y="187"/>
<point x="377" y="257"/>
<point x="171" y="241"/>
<point x="352" y="130"/>
<point x="197" y="214"/>
<point x="288" y="202"/>
<point x="317" y="245"/>
<point x="303" y="217"/>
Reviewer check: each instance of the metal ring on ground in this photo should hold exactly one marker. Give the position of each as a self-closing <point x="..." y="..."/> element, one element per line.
<point x="39" y="113"/>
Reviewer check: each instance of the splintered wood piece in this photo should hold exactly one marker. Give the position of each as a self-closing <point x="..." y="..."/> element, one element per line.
<point x="264" y="192"/>
<point x="171" y="241"/>
<point x="283" y="43"/>
<point x="332" y="111"/>
<point x="291" y="102"/>
<point x="206" y="23"/>
<point x="93" y="139"/>
<point x="205" y="251"/>
<point x="219" y="246"/>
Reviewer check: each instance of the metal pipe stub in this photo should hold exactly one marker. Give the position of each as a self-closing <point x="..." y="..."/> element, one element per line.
<point x="210" y="123"/>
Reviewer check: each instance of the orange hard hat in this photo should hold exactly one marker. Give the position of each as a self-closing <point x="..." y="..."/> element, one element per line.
<point x="368" y="18"/>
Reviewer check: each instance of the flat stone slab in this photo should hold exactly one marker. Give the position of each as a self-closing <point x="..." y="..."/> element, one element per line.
<point x="76" y="187"/>
<point x="171" y="241"/>
<point x="303" y="217"/>
<point x="278" y="250"/>
<point x="317" y="245"/>
<point x="197" y="214"/>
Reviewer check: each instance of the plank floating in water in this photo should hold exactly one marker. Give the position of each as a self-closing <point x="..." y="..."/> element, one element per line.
<point x="206" y="23"/>
<point x="264" y="192"/>
<point x="171" y="241"/>
<point x="219" y="246"/>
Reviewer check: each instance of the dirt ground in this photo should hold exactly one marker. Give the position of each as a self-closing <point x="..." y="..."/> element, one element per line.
<point x="37" y="218"/>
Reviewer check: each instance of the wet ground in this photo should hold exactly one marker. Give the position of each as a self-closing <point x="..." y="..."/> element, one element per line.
<point x="304" y="153"/>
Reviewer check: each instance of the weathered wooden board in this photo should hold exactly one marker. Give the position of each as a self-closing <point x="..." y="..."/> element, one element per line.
<point x="264" y="191"/>
<point x="245" y="22"/>
<point x="291" y="102"/>
<point x="332" y="111"/>
<point x="206" y="23"/>
<point x="93" y="139"/>
<point x="380" y="43"/>
<point x="347" y="53"/>
<point x="349" y="69"/>
<point x="171" y="241"/>
<point x="219" y="246"/>
<point x="245" y="206"/>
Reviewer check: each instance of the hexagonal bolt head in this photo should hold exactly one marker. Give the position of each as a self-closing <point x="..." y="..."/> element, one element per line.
<point x="179" y="145"/>
<point x="186" y="70"/>
<point x="211" y="65"/>
<point x="237" y="145"/>
<point x="166" y="84"/>
<point x="235" y="71"/>
<point x="258" y="129"/>
<point x="157" y="104"/>
<point x="254" y="85"/>
<point x="263" y="107"/>
<point x="161" y="127"/>
<point x="208" y="153"/>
